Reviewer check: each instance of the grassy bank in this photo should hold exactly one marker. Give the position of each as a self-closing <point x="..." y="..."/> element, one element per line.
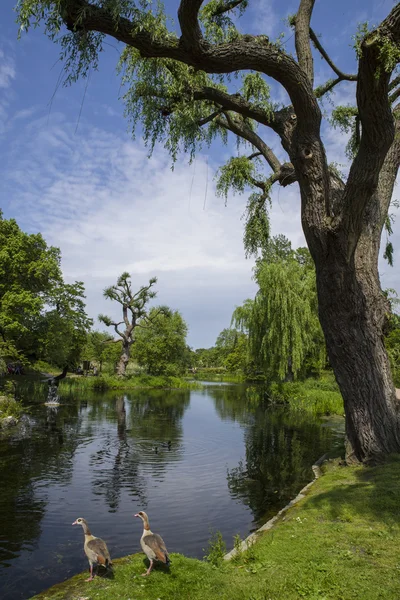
<point x="110" y="382"/>
<point x="339" y="543"/>
<point x="318" y="396"/>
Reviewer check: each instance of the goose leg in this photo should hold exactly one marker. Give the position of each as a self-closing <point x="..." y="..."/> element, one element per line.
<point x="91" y="574"/>
<point x="149" y="569"/>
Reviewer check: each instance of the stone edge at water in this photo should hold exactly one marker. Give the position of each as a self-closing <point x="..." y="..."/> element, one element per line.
<point x="252" y="538"/>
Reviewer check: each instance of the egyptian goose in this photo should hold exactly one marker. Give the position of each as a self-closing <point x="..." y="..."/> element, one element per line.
<point x="152" y="544"/>
<point x="95" y="549"/>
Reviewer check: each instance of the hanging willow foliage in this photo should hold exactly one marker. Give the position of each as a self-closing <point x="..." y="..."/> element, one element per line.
<point x="285" y="336"/>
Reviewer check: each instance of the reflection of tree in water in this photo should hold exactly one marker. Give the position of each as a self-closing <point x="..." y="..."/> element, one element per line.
<point x="236" y="402"/>
<point x="157" y="415"/>
<point x="119" y="464"/>
<point x="40" y="449"/>
<point x="154" y="418"/>
<point x="281" y="445"/>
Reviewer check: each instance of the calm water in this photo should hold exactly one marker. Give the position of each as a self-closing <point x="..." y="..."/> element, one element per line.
<point x="231" y="465"/>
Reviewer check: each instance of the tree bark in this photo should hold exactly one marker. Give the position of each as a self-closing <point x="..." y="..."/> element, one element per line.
<point x="352" y="311"/>
<point x="124" y="358"/>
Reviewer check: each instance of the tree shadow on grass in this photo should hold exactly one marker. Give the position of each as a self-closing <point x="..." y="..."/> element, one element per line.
<point x="369" y="493"/>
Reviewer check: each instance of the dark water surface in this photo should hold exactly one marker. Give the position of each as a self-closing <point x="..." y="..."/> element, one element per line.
<point x="231" y="465"/>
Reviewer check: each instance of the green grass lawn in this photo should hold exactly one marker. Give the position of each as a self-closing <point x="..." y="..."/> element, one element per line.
<point x="341" y="542"/>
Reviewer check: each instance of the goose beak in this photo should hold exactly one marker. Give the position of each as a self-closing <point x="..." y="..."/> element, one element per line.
<point x="74" y="523"/>
<point x="137" y="516"/>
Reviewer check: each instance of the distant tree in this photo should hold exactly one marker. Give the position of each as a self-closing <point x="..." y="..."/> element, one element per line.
<point x="238" y="359"/>
<point x="206" y="358"/>
<point x="160" y="346"/>
<point x="99" y="347"/>
<point x="134" y="314"/>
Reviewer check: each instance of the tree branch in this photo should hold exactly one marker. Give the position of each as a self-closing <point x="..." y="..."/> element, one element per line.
<point x="377" y="126"/>
<point x="393" y="97"/>
<point x="223" y="8"/>
<point x="321" y="90"/>
<point x="188" y="13"/>
<point x="210" y="117"/>
<point x="394" y="83"/>
<point x="254" y="155"/>
<point x="341" y="75"/>
<point x="238" y="127"/>
<point x="242" y="53"/>
<point x="119" y="332"/>
<point x="236" y="103"/>
<point x="302" y="38"/>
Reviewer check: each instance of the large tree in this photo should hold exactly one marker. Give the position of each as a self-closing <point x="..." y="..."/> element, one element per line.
<point x="179" y="90"/>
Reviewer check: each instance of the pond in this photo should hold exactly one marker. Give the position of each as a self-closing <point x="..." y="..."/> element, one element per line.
<point x="230" y="465"/>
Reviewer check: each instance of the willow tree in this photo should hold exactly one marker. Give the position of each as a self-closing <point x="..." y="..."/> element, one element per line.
<point x="178" y="89"/>
<point x="282" y="322"/>
<point x="134" y="314"/>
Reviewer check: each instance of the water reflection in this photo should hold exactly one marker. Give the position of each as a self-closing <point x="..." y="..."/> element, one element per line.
<point x="230" y="463"/>
<point x="280" y="448"/>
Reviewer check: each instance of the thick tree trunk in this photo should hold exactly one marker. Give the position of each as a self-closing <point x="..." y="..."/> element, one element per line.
<point x="352" y="312"/>
<point x="124" y="358"/>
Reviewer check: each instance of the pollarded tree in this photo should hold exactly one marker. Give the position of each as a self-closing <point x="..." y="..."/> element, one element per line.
<point x="179" y="90"/>
<point x="134" y="314"/>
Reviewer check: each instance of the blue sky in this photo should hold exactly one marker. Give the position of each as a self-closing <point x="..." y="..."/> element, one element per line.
<point x="70" y="169"/>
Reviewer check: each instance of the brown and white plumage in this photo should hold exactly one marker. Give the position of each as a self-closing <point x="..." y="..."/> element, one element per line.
<point x="152" y="544"/>
<point x="95" y="548"/>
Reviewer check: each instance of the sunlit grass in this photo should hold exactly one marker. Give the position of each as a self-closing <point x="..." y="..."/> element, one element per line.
<point x="318" y="396"/>
<point x="339" y="543"/>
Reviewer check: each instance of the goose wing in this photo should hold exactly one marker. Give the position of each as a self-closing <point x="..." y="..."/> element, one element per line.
<point x="97" y="551"/>
<point x="157" y="545"/>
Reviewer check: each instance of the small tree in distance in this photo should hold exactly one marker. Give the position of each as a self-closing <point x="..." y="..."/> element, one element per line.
<point x="134" y="314"/>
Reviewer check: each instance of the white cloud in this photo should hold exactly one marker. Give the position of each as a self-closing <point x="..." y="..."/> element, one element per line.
<point x="111" y="209"/>
<point x="264" y="18"/>
<point x="7" y="70"/>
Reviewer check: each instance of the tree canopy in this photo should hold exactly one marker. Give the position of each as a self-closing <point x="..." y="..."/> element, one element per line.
<point x="160" y="345"/>
<point x="40" y="315"/>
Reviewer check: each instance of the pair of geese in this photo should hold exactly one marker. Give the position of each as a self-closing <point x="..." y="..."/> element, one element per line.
<point x="97" y="552"/>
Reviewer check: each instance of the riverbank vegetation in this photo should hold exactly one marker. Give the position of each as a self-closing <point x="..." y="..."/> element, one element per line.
<point x="110" y="382"/>
<point x="338" y="542"/>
